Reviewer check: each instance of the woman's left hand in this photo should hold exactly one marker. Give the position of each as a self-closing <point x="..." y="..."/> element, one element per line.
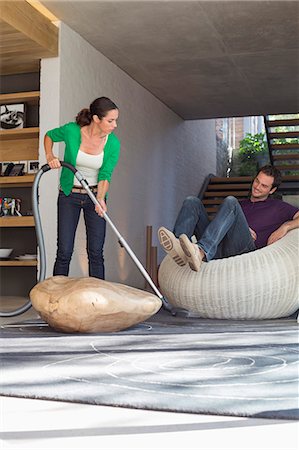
<point x="102" y="209"/>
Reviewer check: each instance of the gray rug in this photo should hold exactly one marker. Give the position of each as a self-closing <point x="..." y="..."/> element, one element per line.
<point x="237" y="368"/>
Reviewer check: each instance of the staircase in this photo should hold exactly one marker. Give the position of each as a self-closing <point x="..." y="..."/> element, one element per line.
<point x="283" y="143"/>
<point x="215" y="189"/>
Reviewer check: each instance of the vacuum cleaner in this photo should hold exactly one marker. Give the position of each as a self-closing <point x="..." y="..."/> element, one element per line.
<point x="40" y="239"/>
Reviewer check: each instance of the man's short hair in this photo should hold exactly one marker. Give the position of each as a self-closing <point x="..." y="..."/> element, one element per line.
<point x="272" y="171"/>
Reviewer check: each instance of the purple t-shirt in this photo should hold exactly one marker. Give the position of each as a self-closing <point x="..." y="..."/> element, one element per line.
<point x="266" y="216"/>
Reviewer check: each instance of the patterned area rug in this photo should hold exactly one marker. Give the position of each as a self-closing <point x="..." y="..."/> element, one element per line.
<point x="237" y="368"/>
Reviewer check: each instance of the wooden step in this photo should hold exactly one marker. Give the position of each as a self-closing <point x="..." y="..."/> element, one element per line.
<point x="211" y="210"/>
<point x="290" y="178"/>
<point x="226" y="193"/>
<point x="290" y="156"/>
<point x="231" y="179"/>
<point x="289" y="187"/>
<point x="285" y="146"/>
<point x="284" y="135"/>
<point x="287" y="167"/>
<point x="283" y="122"/>
<point x="212" y="201"/>
<point x="226" y="186"/>
<point x="247" y="179"/>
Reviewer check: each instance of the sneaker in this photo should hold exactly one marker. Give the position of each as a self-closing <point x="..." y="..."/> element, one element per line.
<point x="171" y="245"/>
<point x="192" y="253"/>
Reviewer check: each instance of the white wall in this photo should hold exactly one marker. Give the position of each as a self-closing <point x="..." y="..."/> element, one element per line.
<point x="163" y="158"/>
<point x="48" y="187"/>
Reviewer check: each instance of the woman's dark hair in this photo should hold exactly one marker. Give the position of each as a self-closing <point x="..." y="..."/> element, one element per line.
<point x="272" y="171"/>
<point x="99" y="107"/>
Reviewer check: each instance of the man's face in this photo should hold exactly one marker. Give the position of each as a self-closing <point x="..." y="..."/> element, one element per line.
<point x="262" y="187"/>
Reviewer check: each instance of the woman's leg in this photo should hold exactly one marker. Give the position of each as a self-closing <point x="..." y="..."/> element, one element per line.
<point x="95" y="235"/>
<point x="69" y="208"/>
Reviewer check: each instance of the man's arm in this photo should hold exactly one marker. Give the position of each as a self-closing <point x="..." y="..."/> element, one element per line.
<point x="284" y="229"/>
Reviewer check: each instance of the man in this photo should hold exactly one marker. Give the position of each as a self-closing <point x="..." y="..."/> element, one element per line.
<point x="237" y="227"/>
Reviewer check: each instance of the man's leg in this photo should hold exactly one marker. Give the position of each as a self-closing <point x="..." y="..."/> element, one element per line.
<point x="227" y="234"/>
<point x="230" y="229"/>
<point x="192" y="219"/>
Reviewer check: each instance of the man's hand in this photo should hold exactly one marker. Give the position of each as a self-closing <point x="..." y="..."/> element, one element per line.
<point x="278" y="234"/>
<point x="253" y="234"/>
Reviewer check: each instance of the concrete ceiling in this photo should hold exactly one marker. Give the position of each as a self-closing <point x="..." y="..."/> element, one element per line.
<point x="203" y="59"/>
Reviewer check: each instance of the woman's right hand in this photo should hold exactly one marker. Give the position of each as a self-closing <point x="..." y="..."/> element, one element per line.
<point x="54" y="163"/>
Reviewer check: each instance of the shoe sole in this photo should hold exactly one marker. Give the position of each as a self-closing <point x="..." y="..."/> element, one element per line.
<point x="193" y="261"/>
<point x="167" y="244"/>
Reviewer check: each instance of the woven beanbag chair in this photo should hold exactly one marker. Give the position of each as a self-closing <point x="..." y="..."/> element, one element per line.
<point x="263" y="284"/>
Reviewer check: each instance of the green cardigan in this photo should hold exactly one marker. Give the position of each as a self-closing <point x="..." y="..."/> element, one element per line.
<point x="70" y="134"/>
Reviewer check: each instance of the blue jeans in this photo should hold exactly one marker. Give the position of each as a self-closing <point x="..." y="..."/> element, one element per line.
<point x="69" y="209"/>
<point x="226" y="235"/>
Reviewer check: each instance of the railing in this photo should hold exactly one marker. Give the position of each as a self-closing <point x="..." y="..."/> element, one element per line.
<point x="268" y="141"/>
<point x="205" y="186"/>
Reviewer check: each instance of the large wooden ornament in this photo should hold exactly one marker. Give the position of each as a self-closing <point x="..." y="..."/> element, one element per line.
<point x="90" y="305"/>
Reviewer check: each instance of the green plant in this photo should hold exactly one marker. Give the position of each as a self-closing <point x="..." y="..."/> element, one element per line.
<point x="252" y="154"/>
<point x="252" y="145"/>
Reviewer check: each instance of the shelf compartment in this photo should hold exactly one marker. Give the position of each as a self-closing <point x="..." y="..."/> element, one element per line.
<point x="19" y="149"/>
<point x="14" y="221"/>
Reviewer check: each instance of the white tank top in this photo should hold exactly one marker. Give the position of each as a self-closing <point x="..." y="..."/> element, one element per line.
<point x="89" y="166"/>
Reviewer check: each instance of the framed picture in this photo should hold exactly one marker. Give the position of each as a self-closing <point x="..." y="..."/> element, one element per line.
<point x="12" y="116"/>
<point x="6" y="167"/>
<point x="33" y="166"/>
<point x="17" y="170"/>
<point x="25" y="166"/>
<point x="13" y="168"/>
<point x="9" y="164"/>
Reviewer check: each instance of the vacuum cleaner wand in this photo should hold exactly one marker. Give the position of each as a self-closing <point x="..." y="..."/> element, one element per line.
<point x="122" y="241"/>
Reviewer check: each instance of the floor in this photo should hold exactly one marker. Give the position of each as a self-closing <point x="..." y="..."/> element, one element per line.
<point x="32" y="424"/>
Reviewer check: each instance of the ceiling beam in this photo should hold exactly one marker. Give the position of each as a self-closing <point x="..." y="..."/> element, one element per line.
<point x="26" y="36"/>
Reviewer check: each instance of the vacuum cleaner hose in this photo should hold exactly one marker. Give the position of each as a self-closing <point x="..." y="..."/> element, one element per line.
<point x="39" y="236"/>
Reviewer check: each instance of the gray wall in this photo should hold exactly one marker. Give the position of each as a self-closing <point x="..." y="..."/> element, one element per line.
<point x="163" y="158"/>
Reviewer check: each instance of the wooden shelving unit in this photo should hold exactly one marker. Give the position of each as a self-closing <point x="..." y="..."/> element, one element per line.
<point x="19" y="144"/>
<point x="28" y="37"/>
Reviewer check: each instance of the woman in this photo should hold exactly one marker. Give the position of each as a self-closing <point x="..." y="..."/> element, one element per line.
<point x="91" y="147"/>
